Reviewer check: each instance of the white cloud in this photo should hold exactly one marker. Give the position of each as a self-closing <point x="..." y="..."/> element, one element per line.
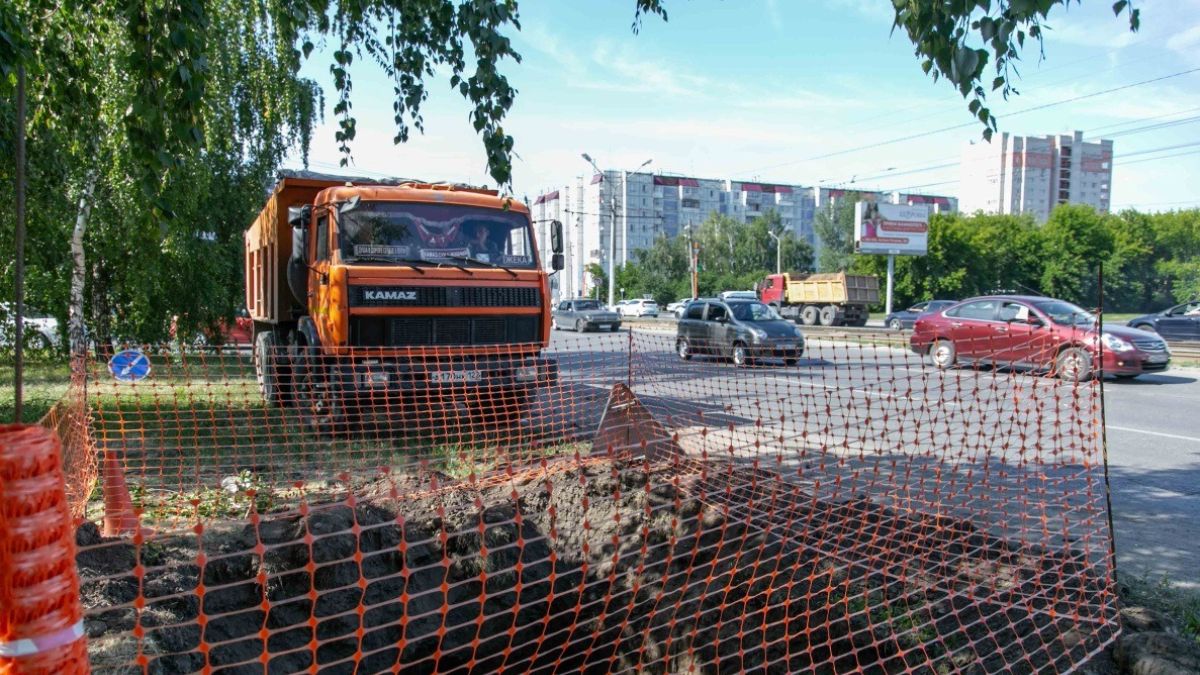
<point x="1185" y="41"/>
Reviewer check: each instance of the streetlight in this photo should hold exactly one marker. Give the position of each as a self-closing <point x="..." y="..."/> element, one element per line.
<point x="612" y="234"/>
<point x="778" y="252"/>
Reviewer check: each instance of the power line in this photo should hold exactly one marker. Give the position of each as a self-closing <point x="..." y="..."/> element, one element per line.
<point x="1023" y="111"/>
<point x="1116" y="163"/>
<point x="1090" y="132"/>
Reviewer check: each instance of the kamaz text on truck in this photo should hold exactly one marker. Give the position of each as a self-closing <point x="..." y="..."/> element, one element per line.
<point x="368" y="292"/>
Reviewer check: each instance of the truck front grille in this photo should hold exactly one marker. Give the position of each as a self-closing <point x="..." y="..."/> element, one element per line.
<point x="416" y="331"/>
<point x="444" y="296"/>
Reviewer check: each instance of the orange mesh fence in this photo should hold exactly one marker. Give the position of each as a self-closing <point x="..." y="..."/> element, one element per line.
<point x="618" y="502"/>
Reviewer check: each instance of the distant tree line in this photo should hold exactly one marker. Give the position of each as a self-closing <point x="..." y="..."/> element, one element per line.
<point x="732" y="255"/>
<point x="1150" y="260"/>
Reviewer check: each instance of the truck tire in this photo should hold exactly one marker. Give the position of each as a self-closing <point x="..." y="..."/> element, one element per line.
<point x="268" y="370"/>
<point x="809" y="315"/>
<point x="323" y="407"/>
<point x="829" y="315"/>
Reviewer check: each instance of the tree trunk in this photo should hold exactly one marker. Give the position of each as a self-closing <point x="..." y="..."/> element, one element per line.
<point x="75" y="328"/>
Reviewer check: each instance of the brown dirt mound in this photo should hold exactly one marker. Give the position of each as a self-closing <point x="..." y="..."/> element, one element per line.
<point x="594" y="567"/>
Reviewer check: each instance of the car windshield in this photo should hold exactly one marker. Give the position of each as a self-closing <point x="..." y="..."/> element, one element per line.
<point x="753" y="311"/>
<point x="412" y="231"/>
<point x="587" y="305"/>
<point x="1065" y="313"/>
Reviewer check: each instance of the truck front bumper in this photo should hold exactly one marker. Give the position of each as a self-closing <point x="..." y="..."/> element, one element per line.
<point x="470" y="377"/>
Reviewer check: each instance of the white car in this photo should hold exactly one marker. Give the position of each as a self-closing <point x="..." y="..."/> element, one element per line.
<point x="41" y="330"/>
<point x="677" y="307"/>
<point x="644" y="307"/>
<point x="738" y="295"/>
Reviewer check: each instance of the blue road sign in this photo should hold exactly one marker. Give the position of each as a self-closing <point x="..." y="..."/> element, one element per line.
<point x="129" y="365"/>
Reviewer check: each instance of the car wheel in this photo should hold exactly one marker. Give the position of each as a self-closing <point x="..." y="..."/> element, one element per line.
<point x="1073" y="365"/>
<point x="580" y="326"/>
<point x="36" y="341"/>
<point x="741" y="356"/>
<point x="809" y="315"/>
<point x="682" y="348"/>
<point x="1146" y="327"/>
<point x="943" y="354"/>
<point x="895" y="324"/>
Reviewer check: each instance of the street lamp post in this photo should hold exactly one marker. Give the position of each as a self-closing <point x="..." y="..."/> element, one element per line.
<point x="778" y="252"/>
<point x="612" y="229"/>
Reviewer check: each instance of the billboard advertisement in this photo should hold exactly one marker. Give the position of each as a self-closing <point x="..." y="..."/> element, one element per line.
<point x="896" y="229"/>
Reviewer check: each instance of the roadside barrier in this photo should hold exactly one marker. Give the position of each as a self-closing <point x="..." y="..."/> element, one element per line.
<point x="605" y="505"/>
<point x="41" y="618"/>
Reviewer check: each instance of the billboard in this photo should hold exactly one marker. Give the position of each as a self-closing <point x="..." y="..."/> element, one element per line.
<point x="896" y="229"/>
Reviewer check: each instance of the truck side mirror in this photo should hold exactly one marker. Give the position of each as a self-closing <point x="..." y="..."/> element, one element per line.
<point x="556" y="262"/>
<point x="556" y="242"/>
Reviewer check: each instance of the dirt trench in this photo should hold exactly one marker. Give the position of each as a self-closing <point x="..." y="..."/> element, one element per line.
<point x="596" y="567"/>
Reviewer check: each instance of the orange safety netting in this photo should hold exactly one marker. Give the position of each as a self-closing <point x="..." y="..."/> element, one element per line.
<point x="604" y="506"/>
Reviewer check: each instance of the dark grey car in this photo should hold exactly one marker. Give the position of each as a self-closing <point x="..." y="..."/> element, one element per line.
<point x="584" y="315"/>
<point x="741" y="330"/>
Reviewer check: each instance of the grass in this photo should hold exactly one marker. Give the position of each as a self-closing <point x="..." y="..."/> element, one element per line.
<point x="1181" y="604"/>
<point x="45" y="383"/>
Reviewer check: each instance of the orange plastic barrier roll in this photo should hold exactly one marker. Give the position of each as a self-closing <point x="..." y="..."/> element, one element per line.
<point x="41" y="620"/>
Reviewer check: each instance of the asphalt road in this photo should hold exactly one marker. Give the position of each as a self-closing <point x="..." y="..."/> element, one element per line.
<point x="1016" y="454"/>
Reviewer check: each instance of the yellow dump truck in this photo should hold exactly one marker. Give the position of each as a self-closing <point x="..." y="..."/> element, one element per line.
<point x="836" y="299"/>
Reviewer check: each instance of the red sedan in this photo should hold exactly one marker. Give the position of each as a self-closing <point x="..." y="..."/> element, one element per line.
<point x="1036" y="333"/>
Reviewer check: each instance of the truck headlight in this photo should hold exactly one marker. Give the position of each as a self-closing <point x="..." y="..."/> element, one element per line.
<point x="1115" y="343"/>
<point x="526" y="373"/>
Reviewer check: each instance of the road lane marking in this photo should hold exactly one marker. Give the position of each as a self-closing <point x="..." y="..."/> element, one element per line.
<point x="1155" y="433"/>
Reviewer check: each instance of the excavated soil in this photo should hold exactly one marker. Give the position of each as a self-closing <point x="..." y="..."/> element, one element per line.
<point x="599" y="567"/>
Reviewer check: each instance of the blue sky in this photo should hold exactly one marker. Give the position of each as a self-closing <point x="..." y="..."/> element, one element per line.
<point x="760" y="88"/>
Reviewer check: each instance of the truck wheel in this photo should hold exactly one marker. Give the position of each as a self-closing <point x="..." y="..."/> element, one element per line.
<point x="808" y="315"/>
<point x="828" y="315"/>
<point x="322" y="406"/>
<point x="267" y="369"/>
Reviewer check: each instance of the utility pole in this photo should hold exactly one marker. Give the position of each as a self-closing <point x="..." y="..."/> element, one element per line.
<point x="612" y="229"/>
<point x="778" y="252"/>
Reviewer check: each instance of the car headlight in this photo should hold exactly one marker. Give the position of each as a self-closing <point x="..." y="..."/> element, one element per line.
<point x="1115" y="343"/>
<point x="796" y="332"/>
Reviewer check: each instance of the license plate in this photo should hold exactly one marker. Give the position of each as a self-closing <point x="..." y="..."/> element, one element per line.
<point x="785" y="345"/>
<point x="1157" y="358"/>
<point x="451" y="376"/>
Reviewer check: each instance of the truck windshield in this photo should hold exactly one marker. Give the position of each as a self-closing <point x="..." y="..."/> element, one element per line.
<point x="413" y="231"/>
<point x="753" y="311"/>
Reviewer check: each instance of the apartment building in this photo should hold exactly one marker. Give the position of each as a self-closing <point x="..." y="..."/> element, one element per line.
<point x="637" y="207"/>
<point x="1032" y="174"/>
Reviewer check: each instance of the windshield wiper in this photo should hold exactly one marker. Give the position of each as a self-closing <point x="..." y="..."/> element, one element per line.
<point x="409" y="262"/>
<point x="477" y="261"/>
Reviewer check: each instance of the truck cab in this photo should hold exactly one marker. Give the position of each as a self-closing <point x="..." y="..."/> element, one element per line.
<point x="395" y="291"/>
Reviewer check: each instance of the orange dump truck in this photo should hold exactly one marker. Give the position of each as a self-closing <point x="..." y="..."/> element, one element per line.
<point x="392" y="290"/>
